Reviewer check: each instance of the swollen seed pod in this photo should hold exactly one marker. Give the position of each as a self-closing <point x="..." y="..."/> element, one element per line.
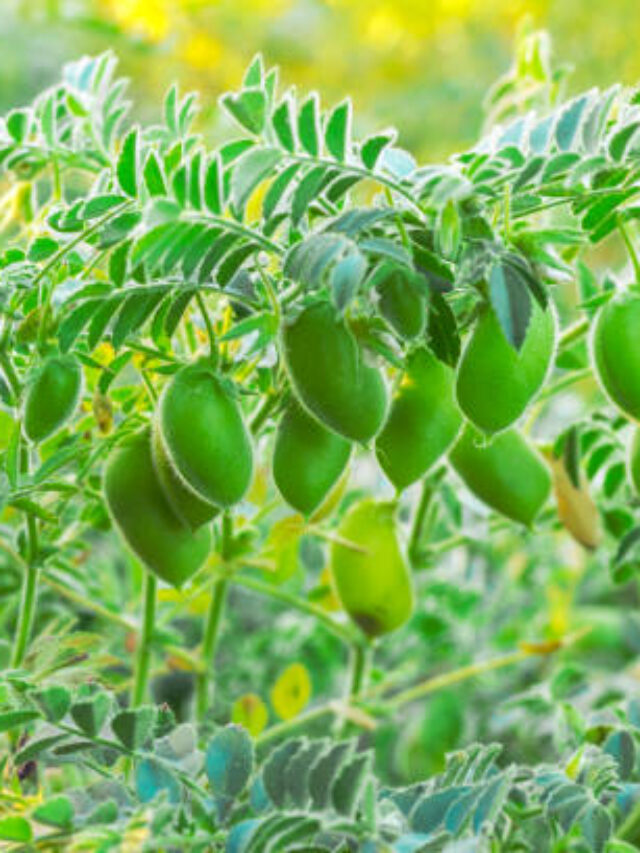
<point x="507" y="474"/>
<point x="615" y="352"/>
<point x="423" y="422"/>
<point x="308" y="459"/>
<point x="201" y="433"/>
<point x="51" y="397"/>
<point x="577" y="510"/>
<point x="329" y="373"/>
<point x="401" y="305"/>
<point x="140" y="510"/>
<point x="369" y="572"/>
<point x="495" y="382"/>
<point x="190" y="508"/>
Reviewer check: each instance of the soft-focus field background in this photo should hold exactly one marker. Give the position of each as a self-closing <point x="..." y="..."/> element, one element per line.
<point x="421" y="65"/>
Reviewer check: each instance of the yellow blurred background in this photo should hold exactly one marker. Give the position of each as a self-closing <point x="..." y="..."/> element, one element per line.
<point x="421" y="65"/>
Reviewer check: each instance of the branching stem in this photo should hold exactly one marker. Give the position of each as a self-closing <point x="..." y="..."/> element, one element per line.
<point x="143" y="663"/>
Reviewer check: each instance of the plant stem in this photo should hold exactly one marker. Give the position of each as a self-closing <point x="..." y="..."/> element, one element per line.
<point x="459" y="539"/>
<point x="360" y="659"/>
<point x="242" y="230"/>
<point x="565" y="382"/>
<point x="633" y="256"/>
<point x="212" y="631"/>
<point x="344" y="632"/>
<point x="212" y="628"/>
<point x="407" y="193"/>
<point x="446" y="679"/>
<point x="29" y="594"/>
<point x="143" y="663"/>
<point x="429" y="487"/>
<point x="9" y="373"/>
<point x="573" y="333"/>
<point x="424" y="688"/>
<point x="263" y="412"/>
<point x="361" y="651"/>
<point x="30" y="582"/>
<point x="334" y="708"/>
<point x="58" y="256"/>
<point x="208" y="326"/>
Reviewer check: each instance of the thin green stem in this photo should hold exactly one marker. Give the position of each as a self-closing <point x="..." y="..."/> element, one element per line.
<point x="573" y="333"/>
<point x="208" y="326"/>
<point x="288" y="726"/>
<point x="263" y="412"/>
<point x="429" y="488"/>
<point x="143" y="663"/>
<point x="25" y="618"/>
<point x="243" y="230"/>
<point x="361" y="651"/>
<point x="151" y="391"/>
<point x="29" y="594"/>
<point x="556" y="202"/>
<point x="343" y="632"/>
<point x="369" y="806"/>
<point x="407" y="193"/>
<point x="401" y="229"/>
<point x="212" y="631"/>
<point x="633" y="255"/>
<point x="57" y="257"/>
<point x="204" y="682"/>
<point x="459" y="539"/>
<point x="447" y="679"/>
<point x="271" y="294"/>
<point x="79" y="238"/>
<point x="360" y="659"/>
<point x="438" y="682"/>
<point x="507" y="212"/>
<point x="565" y="382"/>
<point x="9" y="373"/>
<point x="550" y="391"/>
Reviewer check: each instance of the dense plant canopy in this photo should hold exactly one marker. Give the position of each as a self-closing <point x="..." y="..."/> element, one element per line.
<point x="297" y="398"/>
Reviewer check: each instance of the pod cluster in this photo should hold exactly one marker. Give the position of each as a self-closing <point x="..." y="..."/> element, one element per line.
<point x="195" y="459"/>
<point x="163" y="484"/>
<point x="340" y="398"/>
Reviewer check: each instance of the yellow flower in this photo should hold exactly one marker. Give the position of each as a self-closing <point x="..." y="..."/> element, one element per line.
<point x="148" y="18"/>
<point x="291" y="692"/>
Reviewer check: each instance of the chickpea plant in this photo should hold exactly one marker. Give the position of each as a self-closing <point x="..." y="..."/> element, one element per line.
<point x="178" y="320"/>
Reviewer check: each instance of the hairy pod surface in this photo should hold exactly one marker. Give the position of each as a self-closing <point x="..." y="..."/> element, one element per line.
<point x="495" y="382"/>
<point x="372" y="580"/>
<point x="615" y="347"/>
<point x="423" y="422"/>
<point x="634" y="460"/>
<point x="308" y="459"/>
<point x="190" y="508"/>
<point x="577" y="510"/>
<point x="401" y="305"/>
<point x="507" y="474"/>
<point x="203" y="436"/>
<point x="141" y="512"/>
<point x="52" y="397"/>
<point x="329" y="373"/>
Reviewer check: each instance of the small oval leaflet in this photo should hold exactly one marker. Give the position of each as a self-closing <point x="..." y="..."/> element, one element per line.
<point x="229" y="761"/>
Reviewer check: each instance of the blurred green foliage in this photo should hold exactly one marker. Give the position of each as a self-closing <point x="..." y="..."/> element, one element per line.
<point x="423" y="67"/>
